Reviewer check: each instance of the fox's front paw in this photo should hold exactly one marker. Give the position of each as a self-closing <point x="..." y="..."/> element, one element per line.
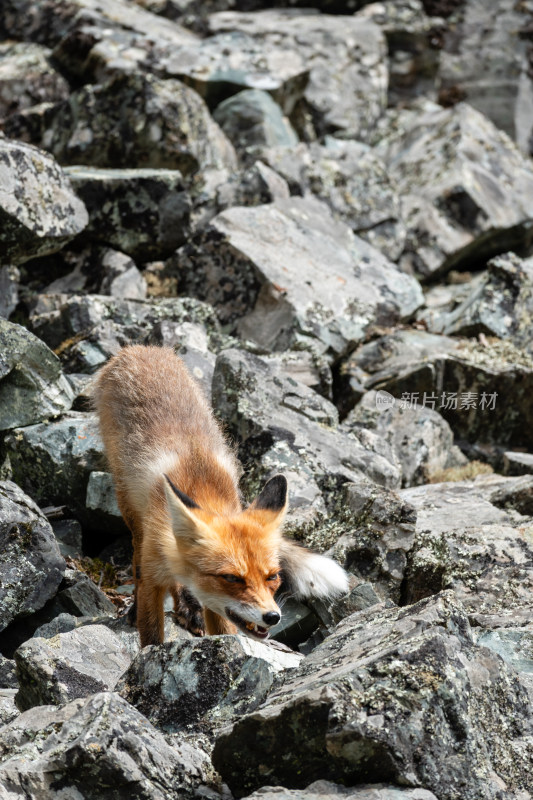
<point x="188" y="611"/>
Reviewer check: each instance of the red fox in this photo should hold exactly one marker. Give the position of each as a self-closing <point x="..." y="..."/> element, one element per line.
<point x="176" y="481"/>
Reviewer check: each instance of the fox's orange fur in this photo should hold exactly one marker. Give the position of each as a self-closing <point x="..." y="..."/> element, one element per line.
<point x="176" y="480"/>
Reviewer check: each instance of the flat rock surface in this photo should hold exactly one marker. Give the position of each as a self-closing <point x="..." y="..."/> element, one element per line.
<point x="394" y="695"/>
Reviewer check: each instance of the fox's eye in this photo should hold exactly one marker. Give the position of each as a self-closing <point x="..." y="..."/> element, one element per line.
<point x="273" y="577"/>
<point x="232" y="578"/>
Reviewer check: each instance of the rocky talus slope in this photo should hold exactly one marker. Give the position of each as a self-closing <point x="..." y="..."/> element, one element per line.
<point x="326" y="208"/>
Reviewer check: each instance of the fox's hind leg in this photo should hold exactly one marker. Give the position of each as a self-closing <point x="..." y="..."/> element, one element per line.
<point x="187" y="610"/>
<point x="214" y="623"/>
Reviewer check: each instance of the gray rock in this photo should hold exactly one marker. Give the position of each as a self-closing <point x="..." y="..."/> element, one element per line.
<point x="463" y="203"/>
<point x="30" y="563"/>
<point x="377" y="533"/>
<point x="137" y="121"/>
<point x="251" y="118"/>
<point x="39" y="212"/>
<point x="101" y="493"/>
<point x="141" y="212"/>
<point x="81" y="597"/>
<point x="414" y="43"/>
<point x="53" y="461"/>
<point x="32" y="384"/>
<point x="121" y="279"/>
<point x="264" y="267"/>
<point x="9" y="293"/>
<point x="98" y="747"/>
<point x="392" y="695"/>
<point x="8" y="709"/>
<point x="353" y="181"/>
<point x="76" y="664"/>
<point x="27" y="77"/>
<point x="516" y="463"/>
<point x="46" y="21"/>
<point x="421" y="439"/>
<point x="89" y="329"/>
<point x="485" y="61"/>
<point x="8" y="678"/>
<point x="500" y="304"/>
<point x="298" y="623"/>
<point x="347" y="85"/>
<point x="203" y="683"/>
<point x="467" y="381"/>
<point x="229" y="62"/>
<point x="69" y="536"/>
<point x="325" y="790"/>
<point x="466" y="542"/>
<point x="263" y="408"/>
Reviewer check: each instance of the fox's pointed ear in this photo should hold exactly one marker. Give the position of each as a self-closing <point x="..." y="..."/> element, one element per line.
<point x="273" y="500"/>
<point x="180" y="505"/>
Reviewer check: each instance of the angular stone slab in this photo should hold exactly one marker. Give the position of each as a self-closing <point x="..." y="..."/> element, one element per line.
<point x="141" y="212"/>
<point x="202" y="683"/>
<point x="32" y="384"/>
<point x="76" y="664"/>
<point x="226" y="63"/>
<point x="465" y="187"/>
<point x="98" y="747"/>
<point x="464" y="541"/>
<point x="289" y="272"/>
<point x="468" y="382"/>
<point x="393" y="695"/>
<point x="499" y="304"/>
<point x="39" y="212"/>
<point x="352" y="180"/>
<point x="262" y="407"/>
<point x="31" y="566"/>
<point x="54" y="460"/>
<point x="347" y="88"/>
<point x="420" y="437"/>
<point x="137" y="121"/>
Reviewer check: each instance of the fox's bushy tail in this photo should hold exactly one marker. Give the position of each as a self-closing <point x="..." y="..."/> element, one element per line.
<point x="308" y="574"/>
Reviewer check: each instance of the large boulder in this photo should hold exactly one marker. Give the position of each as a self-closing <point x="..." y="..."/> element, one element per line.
<point x="352" y="180"/>
<point x="461" y="203"/>
<point x="32" y="384"/>
<point x="134" y="120"/>
<point x="39" y="212"/>
<point x="204" y="683"/>
<point x="141" y="212"/>
<point x="76" y="664"/>
<point x="420" y="437"/>
<point x="468" y="540"/>
<point x="265" y="409"/>
<point x="466" y="381"/>
<point x="97" y="747"/>
<point x="394" y="695"/>
<point x="499" y="303"/>
<point x="31" y="566"/>
<point x="325" y="790"/>
<point x="347" y="87"/>
<point x="288" y="272"/>
<point x="53" y="461"/>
